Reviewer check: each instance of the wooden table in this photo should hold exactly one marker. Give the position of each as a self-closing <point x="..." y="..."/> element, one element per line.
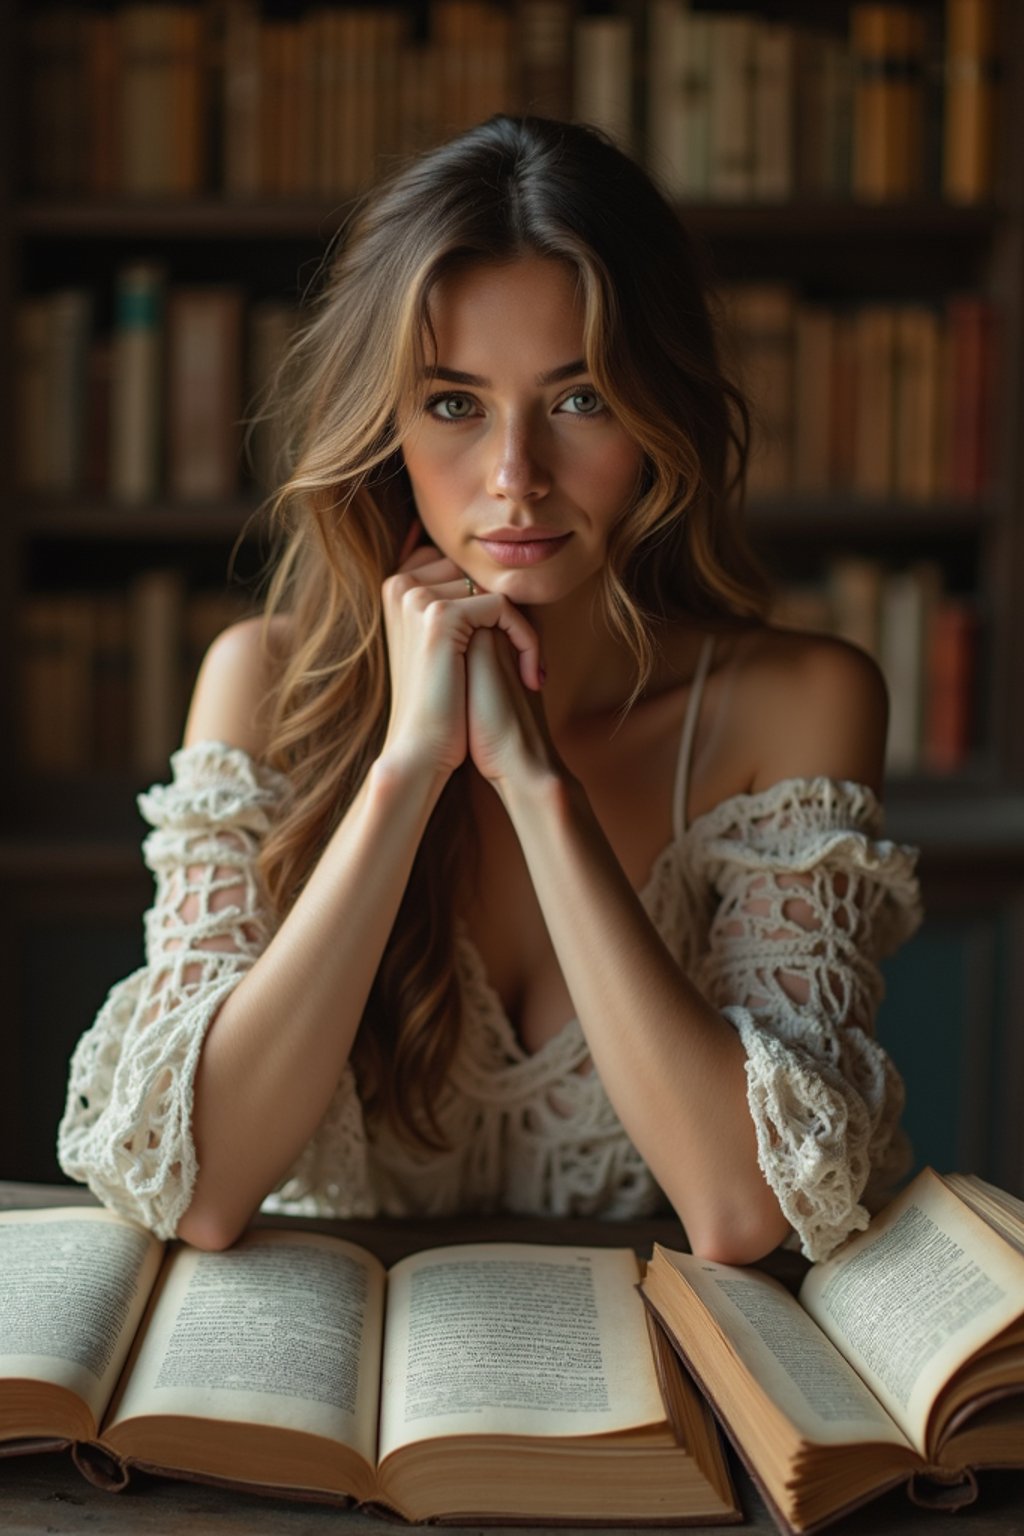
<point x="45" y="1494"/>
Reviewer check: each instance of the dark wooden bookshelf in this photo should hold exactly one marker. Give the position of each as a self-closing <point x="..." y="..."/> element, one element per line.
<point x="233" y="219"/>
<point x="75" y="520"/>
<point x="69" y="843"/>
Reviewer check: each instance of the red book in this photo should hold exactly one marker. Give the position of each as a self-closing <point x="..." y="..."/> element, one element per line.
<point x="950" y="685"/>
<point x="970" y="395"/>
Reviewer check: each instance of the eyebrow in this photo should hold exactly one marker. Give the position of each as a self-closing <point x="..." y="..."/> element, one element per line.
<point x="555" y="376"/>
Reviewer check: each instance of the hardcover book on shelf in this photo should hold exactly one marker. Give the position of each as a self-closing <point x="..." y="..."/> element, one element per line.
<point x="901" y="1360"/>
<point x="812" y="414"/>
<point x="513" y="1381"/>
<point x="678" y="98"/>
<point x="909" y="599"/>
<point x="889" y="44"/>
<point x="917" y="402"/>
<point x="137" y="383"/>
<point x="971" y="101"/>
<point x="156" y="604"/>
<point x="774" y="92"/>
<point x="732" y="155"/>
<point x="874" y="442"/>
<point x="544" y="29"/>
<point x="950" y="684"/>
<point x="204" y="392"/>
<point x="603" y="76"/>
<point x="761" y="322"/>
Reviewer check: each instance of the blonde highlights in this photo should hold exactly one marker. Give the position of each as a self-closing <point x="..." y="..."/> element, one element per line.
<point x="344" y="507"/>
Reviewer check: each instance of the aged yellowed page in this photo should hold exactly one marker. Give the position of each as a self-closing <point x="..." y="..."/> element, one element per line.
<point x="283" y="1329"/>
<point x="915" y="1296"/>
<point x="74" y="1284"/>
<point x="802" y="1374"/>
<point x="516" y="1339"/>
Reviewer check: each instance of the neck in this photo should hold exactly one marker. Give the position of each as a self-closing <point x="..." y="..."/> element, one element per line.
<point x="589" y="669"/>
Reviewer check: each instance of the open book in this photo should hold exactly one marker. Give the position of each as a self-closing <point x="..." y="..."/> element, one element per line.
<point x="521" y="1381"/>
<point x="901" y="1360"/>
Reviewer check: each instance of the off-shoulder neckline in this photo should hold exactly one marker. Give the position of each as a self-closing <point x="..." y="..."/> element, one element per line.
<point x="750" y="798"/>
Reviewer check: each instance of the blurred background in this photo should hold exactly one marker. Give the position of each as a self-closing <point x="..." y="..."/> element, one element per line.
<point x="171" y="174"/>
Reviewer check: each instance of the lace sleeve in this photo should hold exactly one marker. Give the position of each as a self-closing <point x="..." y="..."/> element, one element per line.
<point x="808" y="898"/>
<point x="126" y="1129"/>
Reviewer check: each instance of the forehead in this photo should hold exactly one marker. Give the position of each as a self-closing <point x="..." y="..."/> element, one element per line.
<point x="533" y="301"/>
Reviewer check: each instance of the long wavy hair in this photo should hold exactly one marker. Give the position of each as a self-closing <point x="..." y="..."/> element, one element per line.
<point x="510" y="187"/>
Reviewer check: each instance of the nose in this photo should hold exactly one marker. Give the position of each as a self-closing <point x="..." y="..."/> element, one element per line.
<point x="518" y="470"/>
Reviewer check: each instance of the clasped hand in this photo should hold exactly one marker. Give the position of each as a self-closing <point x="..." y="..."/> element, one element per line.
<point x="465" y="674"/>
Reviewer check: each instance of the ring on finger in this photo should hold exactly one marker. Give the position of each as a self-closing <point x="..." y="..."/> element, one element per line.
<point x="470" y="585"/>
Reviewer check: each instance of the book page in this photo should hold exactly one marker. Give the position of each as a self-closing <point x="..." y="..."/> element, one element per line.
<point x="517" y="1339"/>
<point x="803" y="1374"/>
<point x="283" y="1329"/>
<point x="73" y="1289"/>
<point x="915" y="1296"/>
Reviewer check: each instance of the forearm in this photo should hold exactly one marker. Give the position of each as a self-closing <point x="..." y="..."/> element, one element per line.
<point x="275" y="1051"/>
<point x="673" y="1068"/>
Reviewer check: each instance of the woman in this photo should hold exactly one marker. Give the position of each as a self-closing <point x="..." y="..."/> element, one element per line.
<point x="515" y="861"/>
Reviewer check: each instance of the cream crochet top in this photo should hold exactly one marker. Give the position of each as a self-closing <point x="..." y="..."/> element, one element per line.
<point x="536" y="1133"/>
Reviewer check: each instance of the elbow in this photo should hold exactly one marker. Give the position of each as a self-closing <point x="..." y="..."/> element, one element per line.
<point x="206" y="1227"/>
<point x="742" y="1238"/>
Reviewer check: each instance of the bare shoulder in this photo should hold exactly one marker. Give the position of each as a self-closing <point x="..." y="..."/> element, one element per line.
<point x="816" y="705"/>
<point x="235" y="683"/>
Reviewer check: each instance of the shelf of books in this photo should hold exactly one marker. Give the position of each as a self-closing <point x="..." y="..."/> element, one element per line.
<point x="179" y="173"/>
<point x="184" y="167"/>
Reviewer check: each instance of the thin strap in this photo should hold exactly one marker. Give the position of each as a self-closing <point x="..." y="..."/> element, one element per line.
<point x="689" y="729"/>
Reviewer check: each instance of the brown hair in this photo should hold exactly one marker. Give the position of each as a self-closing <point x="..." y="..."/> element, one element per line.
<point x="506" y="188"/>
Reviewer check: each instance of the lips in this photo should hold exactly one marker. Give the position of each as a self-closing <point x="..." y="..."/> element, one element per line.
<point x="523" y="546"/>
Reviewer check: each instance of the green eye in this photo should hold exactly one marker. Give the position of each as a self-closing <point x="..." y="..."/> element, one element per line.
<point x="585" y="402"/>
<point x="450" y="407"/>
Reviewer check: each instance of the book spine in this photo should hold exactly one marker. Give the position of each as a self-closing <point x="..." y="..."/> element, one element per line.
<point x="679" y="99"/>
<point x="242" y="92"/>
<point x="146" y="47"/>
<point x="812" y="469"/>
<point x="763" y="319"/>
<point x="888" y="43"/>
<point x="969" y="397"/>
<point x="773" y="107"/>
<point x="101" y="85"/>
<point x="950" y="685"/>
<point x="544" y="30"/>
<point x="204" y="343"/>
<point x="31" y="325"/>
<point x="69" y="330"/>
<point x="732" y="154"/>
<point x="873" y="459"/>
<point x="603" y="76"/>
<point x="56" y="45"/>
<point x="156" y="603"/>
<point x="909" y="598"/>
<point x="916" y="403"/>
<point x="854" y="585"/>
<point x="137" y="383"/>
<point x="969" y="125"/>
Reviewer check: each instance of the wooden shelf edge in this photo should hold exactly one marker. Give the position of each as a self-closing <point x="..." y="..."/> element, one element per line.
<point x="301" y="218"/>
<point x="95" y="519"/>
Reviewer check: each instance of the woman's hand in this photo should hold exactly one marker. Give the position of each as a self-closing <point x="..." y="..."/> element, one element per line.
<point x="431" y="617"/>
<point x="508" y="731"/>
